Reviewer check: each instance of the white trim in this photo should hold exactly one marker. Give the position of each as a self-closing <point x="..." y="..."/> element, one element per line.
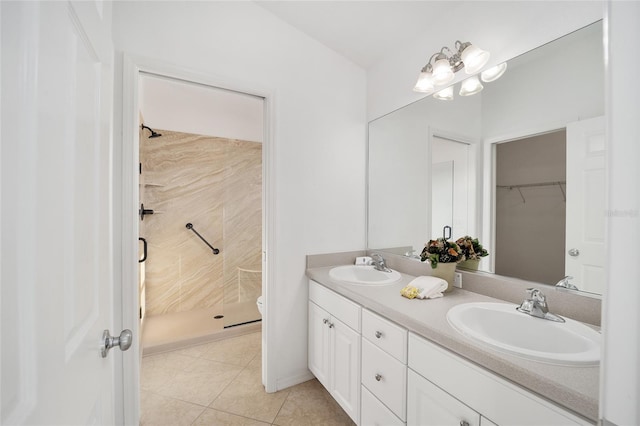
<point x="527" y="133"/>
<point x="295" y="379"/>
<point x="132" y="66"/>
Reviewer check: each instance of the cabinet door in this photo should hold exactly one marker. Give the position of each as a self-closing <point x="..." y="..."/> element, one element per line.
<point x="319" y="345"/>
<point x="427" y="404"/>
<point x="345" y="368"/>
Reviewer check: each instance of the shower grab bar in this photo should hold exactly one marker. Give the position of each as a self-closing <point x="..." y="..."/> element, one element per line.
<point x="213" y="249"/>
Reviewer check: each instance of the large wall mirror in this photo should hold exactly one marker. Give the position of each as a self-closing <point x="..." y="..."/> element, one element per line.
<point x="519" y="165"/>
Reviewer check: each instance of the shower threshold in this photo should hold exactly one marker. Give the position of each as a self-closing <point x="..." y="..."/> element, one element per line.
<point x="182" y="329"/>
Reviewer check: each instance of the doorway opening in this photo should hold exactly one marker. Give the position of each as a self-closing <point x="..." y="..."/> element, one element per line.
<point x="201" y="201"/>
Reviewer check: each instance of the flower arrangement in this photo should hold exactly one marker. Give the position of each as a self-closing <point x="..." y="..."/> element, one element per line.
<point x="441" y="251"/>
<point x="471" y="248"/>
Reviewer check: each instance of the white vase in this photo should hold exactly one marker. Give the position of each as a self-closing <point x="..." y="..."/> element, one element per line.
<point x="446" y="271"/>
<point x="470" y="264"/>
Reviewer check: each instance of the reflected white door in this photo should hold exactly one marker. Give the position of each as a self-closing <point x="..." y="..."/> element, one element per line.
<point x="57" y="278"/>
<point x="584" y="255"/>
<point x="452" y="172"/>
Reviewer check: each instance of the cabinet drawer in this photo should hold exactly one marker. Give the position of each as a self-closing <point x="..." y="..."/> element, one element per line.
<point x="374" y="413"/>
<point x="430" y="405"/>
<point x="385" y="377"/>
<point x="386" y="335"/>
<point x="480" y="389"/>
<point x="340" y="307"/>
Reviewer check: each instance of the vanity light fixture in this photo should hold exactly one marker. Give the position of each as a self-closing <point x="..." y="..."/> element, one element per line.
<point x="471" y="86"/>
<point x="493" y="73"/>
<point x="447" y="63"/>
<point x="445" y="94"/>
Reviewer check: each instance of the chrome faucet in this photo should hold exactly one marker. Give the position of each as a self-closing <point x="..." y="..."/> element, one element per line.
<point x="565" y="284"/>
<point x="378" y="263"/>
<point x="536" y="306"/>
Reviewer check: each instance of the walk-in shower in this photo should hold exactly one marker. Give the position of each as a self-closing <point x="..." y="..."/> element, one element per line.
<point x="203" y="268"/>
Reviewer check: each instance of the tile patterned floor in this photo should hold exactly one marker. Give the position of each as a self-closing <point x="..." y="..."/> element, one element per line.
<point x="220" y="383"/>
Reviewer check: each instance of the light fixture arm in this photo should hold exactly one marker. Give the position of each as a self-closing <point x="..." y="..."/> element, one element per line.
<point x="437" y="72"/>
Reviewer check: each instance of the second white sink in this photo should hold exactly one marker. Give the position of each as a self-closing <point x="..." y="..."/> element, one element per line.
<point x="502" y="327"/>
<point x="363" y="275"/>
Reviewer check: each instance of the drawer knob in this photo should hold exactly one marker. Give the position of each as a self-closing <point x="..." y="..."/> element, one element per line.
<point x="464" y="423"/>
<point x="325" y="320"/>
<point x="379" y="377"/>
<point x="330" y="325"/>
<point x="378" y="334"/>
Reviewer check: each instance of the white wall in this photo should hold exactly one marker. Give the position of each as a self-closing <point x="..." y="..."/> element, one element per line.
<point x="506" y="29"/>
<point x="201" y="110"/>
<point x="561" y="83"/>
<point x="319" y="127"/>
<point x="399" y="178"/>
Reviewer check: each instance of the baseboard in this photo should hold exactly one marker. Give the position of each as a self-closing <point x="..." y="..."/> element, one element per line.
<point x="296" y="379"/>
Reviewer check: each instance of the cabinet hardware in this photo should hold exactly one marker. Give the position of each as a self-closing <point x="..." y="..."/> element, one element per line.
<point x="379" y="377"/>
<point x="378" y="334"/>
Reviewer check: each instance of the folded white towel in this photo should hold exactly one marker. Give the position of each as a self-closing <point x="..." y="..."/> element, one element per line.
<point x="429" y="287"/>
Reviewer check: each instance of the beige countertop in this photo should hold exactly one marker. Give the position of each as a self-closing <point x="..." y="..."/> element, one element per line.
<point x="574" y="388"/>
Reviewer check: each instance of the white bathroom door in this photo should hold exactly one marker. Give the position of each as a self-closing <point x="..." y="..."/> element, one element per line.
<point x="56" y="199"/>
<point x="584" y="249"/>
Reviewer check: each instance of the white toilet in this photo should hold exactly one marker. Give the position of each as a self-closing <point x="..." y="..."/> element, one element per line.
<point x="259" y="303"/>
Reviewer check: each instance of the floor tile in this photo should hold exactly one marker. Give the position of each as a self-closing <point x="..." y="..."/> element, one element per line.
<point x="237" y="350"/>
<point x="220" y="383"/>
<point x="309" y="403"/>
<point x="245" y="396"/>
<point x="210" y="417"/>
<point x="200" y="382"/>
<point x="159" y="410"/>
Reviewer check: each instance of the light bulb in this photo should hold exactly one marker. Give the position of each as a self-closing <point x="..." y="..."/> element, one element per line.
<point x="424" y="83"/>
<point x="493" y="73"/>
<point x="471" y="86"/>
<point x="442" y="73"/>
<point x="474" y="59"/>
<point x="444" y="94"/>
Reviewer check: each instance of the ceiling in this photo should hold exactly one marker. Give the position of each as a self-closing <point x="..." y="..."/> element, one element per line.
<point x="362" y="31"/>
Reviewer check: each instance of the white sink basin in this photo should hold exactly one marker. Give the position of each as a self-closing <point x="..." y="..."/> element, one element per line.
<point x="502" y="327"/>
<point x="363" y="275"/>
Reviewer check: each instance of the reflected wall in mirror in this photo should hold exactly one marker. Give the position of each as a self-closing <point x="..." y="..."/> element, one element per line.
<point x="400" y="213"/>
<point x="542" y="92"/>
<point x="530" y="207"/>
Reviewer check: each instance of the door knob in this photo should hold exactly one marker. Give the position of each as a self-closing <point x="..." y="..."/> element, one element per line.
<point x="574" y="252"/>
<point x="123" y="341"/>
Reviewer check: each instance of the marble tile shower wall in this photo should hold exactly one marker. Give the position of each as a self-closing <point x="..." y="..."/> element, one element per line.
<point x="215" y="184"/>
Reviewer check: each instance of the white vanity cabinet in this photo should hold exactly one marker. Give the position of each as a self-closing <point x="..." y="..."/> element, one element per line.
<point x="383" y="375"/>
<point x="384" y="371"/>
<point x="334" y="346"/>
<point x="468" y="393"/>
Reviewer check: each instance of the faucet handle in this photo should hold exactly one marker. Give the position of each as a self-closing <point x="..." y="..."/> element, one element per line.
<point x="536" y="295"/>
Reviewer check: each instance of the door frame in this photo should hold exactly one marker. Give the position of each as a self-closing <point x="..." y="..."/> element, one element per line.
<point x="125" y="169"/>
